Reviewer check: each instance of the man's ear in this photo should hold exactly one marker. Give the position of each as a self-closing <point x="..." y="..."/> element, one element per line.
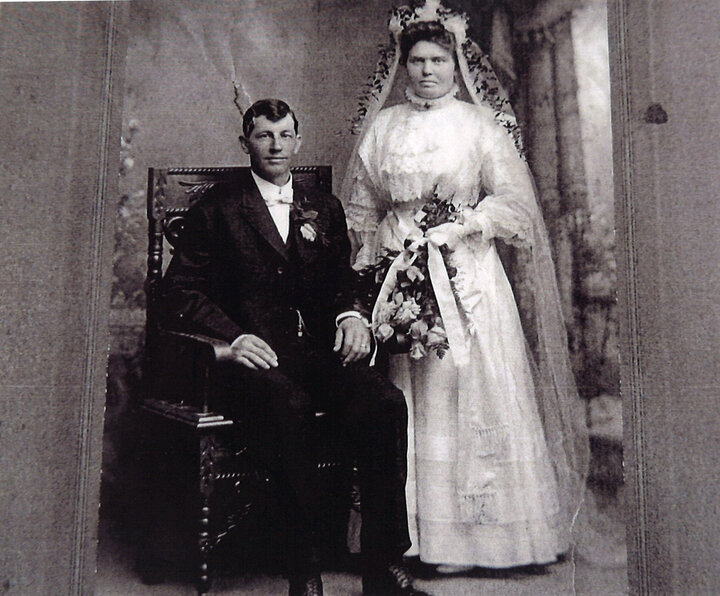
<point x="244" y="144"/>
<point x="298" y="138"/>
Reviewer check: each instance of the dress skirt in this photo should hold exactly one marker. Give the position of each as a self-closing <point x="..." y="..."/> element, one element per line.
<point x="481" y="488"/>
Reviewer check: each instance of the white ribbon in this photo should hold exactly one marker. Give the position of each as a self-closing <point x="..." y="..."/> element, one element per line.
<point x="449" y="312"/>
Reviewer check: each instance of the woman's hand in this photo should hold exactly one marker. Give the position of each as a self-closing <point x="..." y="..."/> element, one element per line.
<point x="448" y="234"/>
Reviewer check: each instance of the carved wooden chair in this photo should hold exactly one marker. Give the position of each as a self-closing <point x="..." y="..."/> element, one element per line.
<point x="202" y="485"/>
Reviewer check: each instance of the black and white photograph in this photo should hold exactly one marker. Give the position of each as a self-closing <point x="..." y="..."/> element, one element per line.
<point x="383" y="297"/>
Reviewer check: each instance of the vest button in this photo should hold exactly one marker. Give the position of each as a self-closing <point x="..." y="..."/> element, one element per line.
<point x="280" y="270"/>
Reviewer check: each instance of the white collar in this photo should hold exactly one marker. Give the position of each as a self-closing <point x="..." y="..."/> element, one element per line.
<point x="270" y="191"/>
<point x="423" y="103"/>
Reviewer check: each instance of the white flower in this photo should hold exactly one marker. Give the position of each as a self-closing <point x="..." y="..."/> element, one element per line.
<point x="408" y="311"/>
<point x="457" y="25"/>
<point x="385" y="312"/>
<point x="384" y="332"/>
<point x="436" y="335"/>
<point x="431" y="10"/>
<point x="414" y="274"/>
<point x="395" y="26"/>
<point x="308" y="232"/>
<point x="417" y="350"/>
<point x="428" y="11"/>
<point x="418" y="329"/>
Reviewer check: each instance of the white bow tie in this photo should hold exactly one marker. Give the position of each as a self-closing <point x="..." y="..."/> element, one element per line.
<point x="278" y="199"/>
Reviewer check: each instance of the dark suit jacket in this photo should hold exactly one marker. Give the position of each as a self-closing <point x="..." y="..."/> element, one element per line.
<point x="233" y="274"/>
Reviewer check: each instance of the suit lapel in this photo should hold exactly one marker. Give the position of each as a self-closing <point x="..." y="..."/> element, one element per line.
<point x="255" y="211"/>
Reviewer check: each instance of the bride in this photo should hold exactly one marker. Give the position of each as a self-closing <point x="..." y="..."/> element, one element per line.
<point x="497" y="452"/>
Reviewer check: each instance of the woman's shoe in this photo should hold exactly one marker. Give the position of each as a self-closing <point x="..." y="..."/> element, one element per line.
<point x="453" y="569"/>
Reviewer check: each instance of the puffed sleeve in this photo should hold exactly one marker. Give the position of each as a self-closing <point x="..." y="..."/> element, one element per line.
<point x="510" y="207"/>
<point x="364" y="209"/>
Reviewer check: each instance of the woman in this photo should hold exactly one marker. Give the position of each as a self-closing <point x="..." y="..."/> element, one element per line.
<point x="497" y="450"/>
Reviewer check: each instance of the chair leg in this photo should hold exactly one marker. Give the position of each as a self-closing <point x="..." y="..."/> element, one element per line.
<point x="204" y="578"/>
<point x="206" y="487"/>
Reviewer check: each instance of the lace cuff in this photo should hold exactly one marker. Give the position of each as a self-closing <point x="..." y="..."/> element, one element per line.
<point x="496" y="217"/>
<point x="474" y="222"/>
<point x="367" y="253"/>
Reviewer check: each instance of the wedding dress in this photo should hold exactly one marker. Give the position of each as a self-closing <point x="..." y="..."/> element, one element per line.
<point x="482" y="486"/>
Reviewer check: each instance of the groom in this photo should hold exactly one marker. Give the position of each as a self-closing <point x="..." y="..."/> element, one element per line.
<point x="266" y="266"/>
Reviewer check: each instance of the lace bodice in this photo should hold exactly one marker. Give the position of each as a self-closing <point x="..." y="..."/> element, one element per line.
<point x="414" y="151"/>
<point x="452" y="147"/>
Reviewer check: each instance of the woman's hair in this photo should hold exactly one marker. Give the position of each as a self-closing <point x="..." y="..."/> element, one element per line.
<point x="432" y="31"/>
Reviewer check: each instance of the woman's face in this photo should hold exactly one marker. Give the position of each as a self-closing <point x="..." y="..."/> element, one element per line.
<point x="431" y="69"/>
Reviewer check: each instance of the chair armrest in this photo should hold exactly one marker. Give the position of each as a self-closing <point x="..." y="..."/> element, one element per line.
<point x="181" y="372"/>
<point x="214" y="349"/>
<point x="186" y="414"/>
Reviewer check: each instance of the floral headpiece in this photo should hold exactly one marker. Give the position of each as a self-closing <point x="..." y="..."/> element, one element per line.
<point x="477" y="73"/>
<point x="432" y="10"/>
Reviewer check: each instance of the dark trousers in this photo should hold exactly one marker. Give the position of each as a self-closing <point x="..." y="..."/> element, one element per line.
<point x="280" y="406"/>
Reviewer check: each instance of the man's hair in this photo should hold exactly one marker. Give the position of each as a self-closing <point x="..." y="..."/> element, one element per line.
<point x="432" y="31"/>
<point x="272" y="109"/>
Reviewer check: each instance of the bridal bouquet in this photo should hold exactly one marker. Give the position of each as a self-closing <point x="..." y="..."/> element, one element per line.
<point x="407" y="318"/>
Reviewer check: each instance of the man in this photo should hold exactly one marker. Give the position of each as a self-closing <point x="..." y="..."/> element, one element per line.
<point x="266" y="267"/>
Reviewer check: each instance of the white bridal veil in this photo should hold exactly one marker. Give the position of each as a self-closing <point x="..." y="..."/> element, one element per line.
<point x="562" y="412"/>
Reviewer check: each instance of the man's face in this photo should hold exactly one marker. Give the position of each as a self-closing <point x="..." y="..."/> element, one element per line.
<point x="271" y="147"/>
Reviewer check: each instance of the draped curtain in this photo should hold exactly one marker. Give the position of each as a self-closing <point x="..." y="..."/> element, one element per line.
<point x="532" y="47"/>
<point x="545" y="91"/>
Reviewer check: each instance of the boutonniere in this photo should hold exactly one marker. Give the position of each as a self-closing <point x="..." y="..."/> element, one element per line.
<point x="306" y="220"/>
<point x="308" y="232"/>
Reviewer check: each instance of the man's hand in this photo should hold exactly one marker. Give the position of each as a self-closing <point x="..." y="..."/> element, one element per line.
<point x="253" y="352"/>
<point x="352" y="340"/>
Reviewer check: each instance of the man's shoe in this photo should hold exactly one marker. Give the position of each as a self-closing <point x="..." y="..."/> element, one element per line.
<point x="394" y="580"/>
<point x="312" y="586"/>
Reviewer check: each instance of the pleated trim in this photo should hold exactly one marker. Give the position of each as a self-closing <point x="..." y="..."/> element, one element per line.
<point x="492" y="440"/>
<point x="479" y="508"/>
